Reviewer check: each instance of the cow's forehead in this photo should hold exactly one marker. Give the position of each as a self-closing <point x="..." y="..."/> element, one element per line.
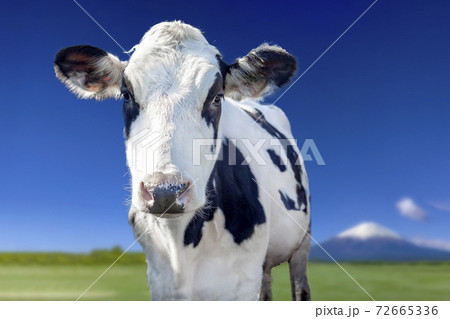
<point x="170" y="55"/>
<point x="172" y="34"/>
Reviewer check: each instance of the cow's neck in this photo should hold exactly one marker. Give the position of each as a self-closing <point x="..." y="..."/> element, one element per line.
<point x="163" y="246"/>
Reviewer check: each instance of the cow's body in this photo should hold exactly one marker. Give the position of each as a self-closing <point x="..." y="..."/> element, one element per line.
<point x="231" y="219"/>
<point x="217" y="254"/>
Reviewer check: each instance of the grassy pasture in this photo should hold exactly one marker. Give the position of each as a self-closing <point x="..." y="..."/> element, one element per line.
<point x="64" y="277"/>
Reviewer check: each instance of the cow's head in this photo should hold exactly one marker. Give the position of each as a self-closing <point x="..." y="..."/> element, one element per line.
<point x="173" y="88"/>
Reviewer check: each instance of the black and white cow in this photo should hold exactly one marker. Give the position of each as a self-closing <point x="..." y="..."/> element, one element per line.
<point x="213" y="229"/>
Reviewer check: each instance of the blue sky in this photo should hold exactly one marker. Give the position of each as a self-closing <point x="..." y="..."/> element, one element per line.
<point x="377" y="106"/>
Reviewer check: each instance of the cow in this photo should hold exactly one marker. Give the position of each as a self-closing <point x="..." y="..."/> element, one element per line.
<point x="213" y="225"/>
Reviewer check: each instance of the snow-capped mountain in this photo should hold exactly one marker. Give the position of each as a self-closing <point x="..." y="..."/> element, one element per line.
<point x="368" y="230"/>
<point x="369" y="241"/>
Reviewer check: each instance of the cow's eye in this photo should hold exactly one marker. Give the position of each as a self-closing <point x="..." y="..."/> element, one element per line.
<point x="218" y="99"/>
<point x="126" y="95"/>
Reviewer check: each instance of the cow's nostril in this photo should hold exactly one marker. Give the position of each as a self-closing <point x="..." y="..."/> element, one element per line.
<point x="183" y="188"/>
<point x="181" y="196"/>
<point x="146" y="195"/>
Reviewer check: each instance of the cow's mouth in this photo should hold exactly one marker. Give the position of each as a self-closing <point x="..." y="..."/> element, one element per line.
<point x="171" y="211"/>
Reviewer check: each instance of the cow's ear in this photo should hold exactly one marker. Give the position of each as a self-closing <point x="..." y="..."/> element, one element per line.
<point x="256" y="74"/>
<point x="89" y="72"/>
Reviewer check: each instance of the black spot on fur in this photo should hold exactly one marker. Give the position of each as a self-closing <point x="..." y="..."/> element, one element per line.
<point x="288" y="202"/>
<point x="224" y="68"/>
<point x="301" y="195"/>
<point x="132" y="219"/>
<point x="292" y="155"/>
<point x="232" y="189"/>
<point x="193" y="232"/>
<point x="211" y="111"/>
<point x="130" y="108"/>
<point x="276" y="160"/>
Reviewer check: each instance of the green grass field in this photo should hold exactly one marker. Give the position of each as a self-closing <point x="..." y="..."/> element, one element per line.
<point x="427" y="281"/>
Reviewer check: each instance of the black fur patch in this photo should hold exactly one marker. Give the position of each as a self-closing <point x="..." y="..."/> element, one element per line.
<point x="211" y="111"/>
<point x="292" y="156"/>
<point x="288" y="202"/>
<point x="132" y="219"/>
<point x="276" y="160"/>
<point x="301" y="195"/>
<point x="224" y="68"/>
<point x="130" y="108"/>
<point x="235" y="193"/>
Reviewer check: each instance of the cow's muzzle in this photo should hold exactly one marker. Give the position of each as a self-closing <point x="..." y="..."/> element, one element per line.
<point x="168" y="198"/>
